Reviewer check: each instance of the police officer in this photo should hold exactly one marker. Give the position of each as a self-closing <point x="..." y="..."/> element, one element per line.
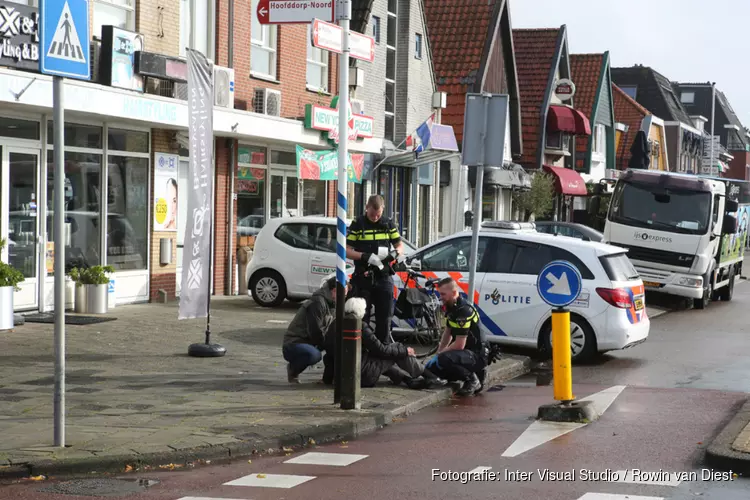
<point x="463" y="354"/>
<point x="369" y="243"/>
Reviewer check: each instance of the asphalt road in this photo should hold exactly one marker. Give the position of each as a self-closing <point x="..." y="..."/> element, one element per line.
<point x="664" y="400"/>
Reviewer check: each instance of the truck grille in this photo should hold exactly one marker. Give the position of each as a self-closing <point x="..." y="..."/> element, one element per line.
<point x="658" y="256"/>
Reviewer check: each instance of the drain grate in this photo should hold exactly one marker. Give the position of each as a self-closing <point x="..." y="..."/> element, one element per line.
<point x="101" y="487"/>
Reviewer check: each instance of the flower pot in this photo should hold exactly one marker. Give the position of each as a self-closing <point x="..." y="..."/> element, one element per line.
<point x="6" y="308"/>
<point x="97" y="298"/>
<point x="80" y="305"/>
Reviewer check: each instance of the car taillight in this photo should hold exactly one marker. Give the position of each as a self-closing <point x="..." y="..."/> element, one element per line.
<point x="617" y="297"/>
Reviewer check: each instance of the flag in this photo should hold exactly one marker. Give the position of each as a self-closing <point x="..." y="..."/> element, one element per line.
<point x="196" y="260"/>
<point x="419" y="140"/>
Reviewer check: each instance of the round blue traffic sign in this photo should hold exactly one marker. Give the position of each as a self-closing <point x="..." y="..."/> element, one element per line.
<point x="559" y="283"/>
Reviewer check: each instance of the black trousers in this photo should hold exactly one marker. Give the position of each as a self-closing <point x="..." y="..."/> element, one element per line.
<point x="457" y="365"/>
<point x="379" y="296"/>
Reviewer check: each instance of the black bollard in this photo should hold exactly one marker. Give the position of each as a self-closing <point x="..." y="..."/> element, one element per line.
<point x="351" y="360"/>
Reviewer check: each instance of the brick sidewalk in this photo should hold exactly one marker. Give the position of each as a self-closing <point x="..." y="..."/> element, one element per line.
<point x="134" y="397"/>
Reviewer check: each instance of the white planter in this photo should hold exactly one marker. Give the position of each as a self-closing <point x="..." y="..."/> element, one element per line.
<point x="92" y="299"/>
<point x="6" y="308"/>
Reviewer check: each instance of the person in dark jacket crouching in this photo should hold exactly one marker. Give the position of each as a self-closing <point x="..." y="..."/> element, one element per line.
<point x="308" y="333"/>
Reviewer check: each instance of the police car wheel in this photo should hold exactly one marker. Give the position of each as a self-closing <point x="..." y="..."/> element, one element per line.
<point x="268" y="288"/>
<point x="582" y="340"/>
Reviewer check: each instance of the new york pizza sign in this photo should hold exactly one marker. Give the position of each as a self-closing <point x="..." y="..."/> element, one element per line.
<point x="327" y="120"/>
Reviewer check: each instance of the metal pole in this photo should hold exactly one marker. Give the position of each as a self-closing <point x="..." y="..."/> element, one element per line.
<point x="59" y="208"/>
<point x="341" y="277"/>
<point x="561" y="368"/>
<point x="477" y="208"/>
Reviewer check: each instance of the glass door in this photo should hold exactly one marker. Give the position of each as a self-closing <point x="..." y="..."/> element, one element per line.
<point x="285" y="195"/>
<point x="20" y="227"/>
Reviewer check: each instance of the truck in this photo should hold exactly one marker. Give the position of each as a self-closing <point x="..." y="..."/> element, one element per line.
<point x="685" y="234"/>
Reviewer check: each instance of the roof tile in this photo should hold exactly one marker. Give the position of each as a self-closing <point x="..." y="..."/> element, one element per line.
<point x="629" y="112"/>
<point x="585" y="70"/>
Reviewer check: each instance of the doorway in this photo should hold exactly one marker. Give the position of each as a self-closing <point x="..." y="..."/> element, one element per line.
<point x="19" y="221"/>
<point x="284" y="198"/>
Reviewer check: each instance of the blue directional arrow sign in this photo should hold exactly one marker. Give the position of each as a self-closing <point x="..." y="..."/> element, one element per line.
<point x="64" y="38"/>
<point x="559" y="283"/>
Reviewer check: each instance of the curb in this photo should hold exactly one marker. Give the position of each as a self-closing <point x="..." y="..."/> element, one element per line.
<point x="361" y="422"/>
<point x="720" y="453"/>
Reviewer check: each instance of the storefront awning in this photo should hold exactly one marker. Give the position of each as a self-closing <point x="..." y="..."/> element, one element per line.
<point x="567" y="181"/>
<point x="565" y="119"/>
<point x="441" y="145"/>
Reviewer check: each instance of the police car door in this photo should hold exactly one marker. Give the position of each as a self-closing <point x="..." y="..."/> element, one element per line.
<point x="322" y="256"/>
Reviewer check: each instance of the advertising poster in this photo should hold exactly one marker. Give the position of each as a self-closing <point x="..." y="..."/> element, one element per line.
<point x="165" y="192"/>
<point x="118" y="58"/>
<point x="323" y="165"/>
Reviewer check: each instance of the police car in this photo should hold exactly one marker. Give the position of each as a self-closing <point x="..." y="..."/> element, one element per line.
<point x="609" y="314"/>
<point x="291" y="256"/>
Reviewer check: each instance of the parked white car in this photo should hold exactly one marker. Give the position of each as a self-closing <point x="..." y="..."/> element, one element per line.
<point x="291" y="256"/>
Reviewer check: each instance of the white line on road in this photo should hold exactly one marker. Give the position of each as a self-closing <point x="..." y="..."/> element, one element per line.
<point x="334" y="459"/>
<point x="479" y="469"/>
<point x="610" y="496"/>
<point x="278" y="321"/>
<point x="270" y="480"/>
<point x="628" y="476"/>
<point x="541" y="431"/>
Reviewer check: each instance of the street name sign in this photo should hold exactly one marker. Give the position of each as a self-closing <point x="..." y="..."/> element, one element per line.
<point x="327" y="36"/>
<point x="295" y="11"/>
<point x="361" y="46"/>
<point x="559" y="283"/>
<point x="64" y="36"/>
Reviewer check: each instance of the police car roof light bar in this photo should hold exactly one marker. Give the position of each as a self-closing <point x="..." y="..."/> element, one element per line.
<point x="510" y="225"/>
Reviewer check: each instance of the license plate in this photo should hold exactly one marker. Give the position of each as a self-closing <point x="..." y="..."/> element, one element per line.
<point x="639" y="303"/>
<point x="651" y="283"/>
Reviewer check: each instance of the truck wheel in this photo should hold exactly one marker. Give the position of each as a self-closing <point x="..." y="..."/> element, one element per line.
<point x="726" y="293"/>
<point x="708" y="292"/>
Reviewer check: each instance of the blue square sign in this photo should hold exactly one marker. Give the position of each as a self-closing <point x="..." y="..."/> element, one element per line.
<point x="64" y="36"/>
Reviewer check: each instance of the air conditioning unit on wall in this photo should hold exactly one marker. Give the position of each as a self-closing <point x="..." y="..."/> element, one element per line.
<point x="358" y="107"/>
<point x="223" y="87"/>
<point x="267" y="102"/>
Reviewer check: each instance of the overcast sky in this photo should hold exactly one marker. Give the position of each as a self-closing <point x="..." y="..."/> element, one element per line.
<point x="685" y="40"/>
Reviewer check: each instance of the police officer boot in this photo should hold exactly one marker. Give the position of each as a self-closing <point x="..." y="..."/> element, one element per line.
<point x="471" y="385"/>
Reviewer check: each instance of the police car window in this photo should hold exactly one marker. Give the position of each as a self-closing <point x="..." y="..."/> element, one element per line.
<point x="452" y="255"/>
<point x="325" y="238"/>
<point x="500" y="259"/>
<point x="295" y="235"/>
<point x="532" y="258"/>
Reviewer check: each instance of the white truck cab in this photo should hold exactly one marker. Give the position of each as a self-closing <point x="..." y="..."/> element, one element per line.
<point x="681" y="231"/>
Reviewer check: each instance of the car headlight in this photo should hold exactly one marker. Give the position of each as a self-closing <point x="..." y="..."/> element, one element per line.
<point x="691" y="282"/>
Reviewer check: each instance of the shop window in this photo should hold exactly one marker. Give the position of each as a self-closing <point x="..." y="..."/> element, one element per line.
<point x="250" y="187"/>
<point x="418" y="46"/>
<point x="82" y="188"/>
<point x="195" y="26"/>
<point x="283" y="158"/>
<point x="317" y="66"/>
<point x="263" y="46"/>
<point x="376" y="29"/>
<point x="127" y="140"/>
<point x="127" y="213"/>
<point x="252" y="155"/>
<point x="118" y="13"/>
<point x="314" y="197"/>
<point x="79" y="136"/>
<point x="19" y="129"/>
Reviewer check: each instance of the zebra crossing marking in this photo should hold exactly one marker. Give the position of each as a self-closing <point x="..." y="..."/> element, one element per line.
<point x="332" y="459"/>
<point x="270" y="480"/>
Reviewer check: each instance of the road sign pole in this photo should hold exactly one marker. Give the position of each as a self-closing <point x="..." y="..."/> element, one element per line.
<point x="561" y="357"/>
<point x="59" y="238"/>
<point x="341" y="276"/>
<point x="478" y="206"/>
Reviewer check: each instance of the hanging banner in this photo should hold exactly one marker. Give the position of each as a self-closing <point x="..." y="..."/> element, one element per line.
<point x="165" y="191"/>
<point x="196" y="260"/>
<point x="323" y="165"/>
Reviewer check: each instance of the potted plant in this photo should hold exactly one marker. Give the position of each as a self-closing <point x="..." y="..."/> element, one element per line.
<point x="92" y="287"/>
<point x="10" y="277"/>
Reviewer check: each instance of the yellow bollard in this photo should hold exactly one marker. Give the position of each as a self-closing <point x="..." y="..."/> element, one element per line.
<point x="561" y="359"/>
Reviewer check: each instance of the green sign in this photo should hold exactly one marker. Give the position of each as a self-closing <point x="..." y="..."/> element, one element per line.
<point x="327" y="120"/>
<point x="323" y="165"/>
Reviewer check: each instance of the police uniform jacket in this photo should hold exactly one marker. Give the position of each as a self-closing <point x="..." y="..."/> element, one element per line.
<point x="367" y="237"/>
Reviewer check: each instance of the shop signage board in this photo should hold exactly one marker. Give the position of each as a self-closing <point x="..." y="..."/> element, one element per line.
<point x="327" y="36"/>
<point x="19" y="36"/>
<point x="565" y="89"/>
<point x="295" y="11"/>
<point x="117" y="62"/>
<point x="361" y="46"/>
<point x="324" y="165"/>
<point x="327" y="120"/>
<point x="65" y="40"/>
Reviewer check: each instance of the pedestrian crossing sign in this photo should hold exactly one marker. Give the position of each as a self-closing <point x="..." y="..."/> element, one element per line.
<point x="64" y="33"/>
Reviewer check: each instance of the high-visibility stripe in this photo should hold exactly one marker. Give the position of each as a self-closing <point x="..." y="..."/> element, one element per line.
<point x="373" y="237"/>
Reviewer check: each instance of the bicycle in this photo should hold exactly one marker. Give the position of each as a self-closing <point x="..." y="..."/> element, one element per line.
<point x="422" y="310"/>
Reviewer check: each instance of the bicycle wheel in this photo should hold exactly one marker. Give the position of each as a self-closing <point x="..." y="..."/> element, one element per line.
<point x="432" y="333"/>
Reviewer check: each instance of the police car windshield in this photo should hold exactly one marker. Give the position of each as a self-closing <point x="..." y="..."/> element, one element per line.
<point x="652" y="206"/>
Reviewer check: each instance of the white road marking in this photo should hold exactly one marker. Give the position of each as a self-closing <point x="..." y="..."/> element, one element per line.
<point x="279" y="321"/>
<point x="627" y="476"/>
<point x="479" y="470"/>
<point x="610" y="496"/>
<point x="334" y="459"/>
<point x="540" y="431"/>
<point x="270" y="480"/>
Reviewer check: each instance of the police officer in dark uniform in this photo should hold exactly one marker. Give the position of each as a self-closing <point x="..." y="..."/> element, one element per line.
<point x="370" y="242"/>
<point x="463" y="352"/>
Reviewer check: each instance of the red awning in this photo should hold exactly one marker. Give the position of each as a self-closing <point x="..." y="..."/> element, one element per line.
<point x="565" y="119"/>
<point x="567" y="181"/>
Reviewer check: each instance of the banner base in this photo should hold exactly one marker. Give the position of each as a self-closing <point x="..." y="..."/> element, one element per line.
<point x="207" y="350"/>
